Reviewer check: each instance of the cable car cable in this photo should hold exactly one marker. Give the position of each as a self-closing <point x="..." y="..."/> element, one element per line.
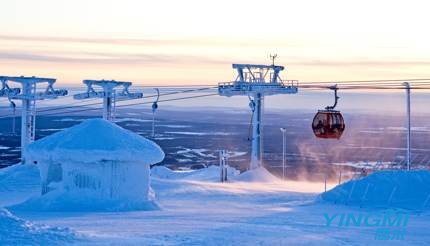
<point x="100" y="103"/>
<point x="126" y="105"/>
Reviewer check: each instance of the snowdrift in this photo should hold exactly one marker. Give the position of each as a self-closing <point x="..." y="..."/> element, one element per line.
<point x="257" y="175"/>
<point x="16" y="231"/>
<point x="211" y="173"/>
<point x="61" y="201"/>
<point x="163" y="172"/>
<point x="385" y="189"/>
<point x="17" y="183"/>
<point x="19" y="177"/>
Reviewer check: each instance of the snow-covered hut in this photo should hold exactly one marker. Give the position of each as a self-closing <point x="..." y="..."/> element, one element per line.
<point x="97" y="158"/>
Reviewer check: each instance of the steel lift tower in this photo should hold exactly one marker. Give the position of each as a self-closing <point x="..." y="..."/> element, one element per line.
<point x="257" y="81"/>
<point x="28" y="95"/>
<point x="109" y="94"/>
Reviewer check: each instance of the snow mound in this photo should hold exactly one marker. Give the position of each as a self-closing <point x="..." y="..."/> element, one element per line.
<point x="16" y="231"/>
<point x="79" y="201"/>
<point x="96" y="140"/>
<point x="19" y="177"/>
<point x="211" y="173"/>
<point x="17" y="183"/>
<point x="257" y="175"/>
<point x="163" y="172"/>
<point x="385" y="189"/>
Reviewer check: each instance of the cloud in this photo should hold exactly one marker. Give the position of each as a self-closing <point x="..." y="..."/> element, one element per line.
<point x="167" y="59"/>
<point x="359" y="62"/>
<point x="182" y="44"/>
<point x="189" y="41"/>
<point x="125" y="41"/>
<point x="111" y="58"/>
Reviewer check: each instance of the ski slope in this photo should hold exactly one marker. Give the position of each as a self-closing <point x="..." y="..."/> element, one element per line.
<point x="195" y="209"/>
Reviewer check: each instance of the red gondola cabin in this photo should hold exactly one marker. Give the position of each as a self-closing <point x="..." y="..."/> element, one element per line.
<point x="328" y="124"/>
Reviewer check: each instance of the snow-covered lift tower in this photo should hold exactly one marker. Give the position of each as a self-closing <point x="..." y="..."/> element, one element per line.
<point x="109" y="94"/>
<point x="28" y="96"/>
<point x="257" y="81"/>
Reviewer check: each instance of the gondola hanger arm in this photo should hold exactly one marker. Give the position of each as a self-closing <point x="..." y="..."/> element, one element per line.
<point x="336" y="97"/>
<point x="155" y="103"/>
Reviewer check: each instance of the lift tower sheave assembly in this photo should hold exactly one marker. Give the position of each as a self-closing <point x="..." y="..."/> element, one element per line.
<point x="257" y="81"/>
<point x="28" y="95"/>
<point x="109" y="94"/>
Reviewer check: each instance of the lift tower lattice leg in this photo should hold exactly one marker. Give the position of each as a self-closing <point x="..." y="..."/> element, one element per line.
<point x="257" y="129"/>
<point x="28" y="116"/>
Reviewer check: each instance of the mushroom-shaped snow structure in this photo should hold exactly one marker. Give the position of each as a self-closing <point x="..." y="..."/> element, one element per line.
<point x="96" y="157"/>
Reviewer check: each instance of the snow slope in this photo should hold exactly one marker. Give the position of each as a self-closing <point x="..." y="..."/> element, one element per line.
<point x="16" y="231"/>
<point x="385" y="189"/>
<point x="198" y="210"/>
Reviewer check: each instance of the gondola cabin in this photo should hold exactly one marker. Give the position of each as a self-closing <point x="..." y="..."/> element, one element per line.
<point x="328" y="124"/>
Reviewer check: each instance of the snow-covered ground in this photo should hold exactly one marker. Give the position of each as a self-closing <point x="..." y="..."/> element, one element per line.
<point x="16" y="231"/>
<point x="195" y="209"/>
<point x="367" y="164"/>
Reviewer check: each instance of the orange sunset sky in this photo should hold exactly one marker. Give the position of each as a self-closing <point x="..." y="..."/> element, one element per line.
<point x="195" y="42"/>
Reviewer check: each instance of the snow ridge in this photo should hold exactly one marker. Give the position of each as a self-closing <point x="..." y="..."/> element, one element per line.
<point x="16" y="231"/>
<point x="385" y="189"/>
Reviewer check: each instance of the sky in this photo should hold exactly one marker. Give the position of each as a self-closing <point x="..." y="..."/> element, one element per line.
<point x="195" y="42"/>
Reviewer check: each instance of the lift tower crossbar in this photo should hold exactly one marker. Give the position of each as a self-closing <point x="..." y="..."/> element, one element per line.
<point x="257" y="81"/>
<point x="28" y="95"/>
<point x="109" y="94"/>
